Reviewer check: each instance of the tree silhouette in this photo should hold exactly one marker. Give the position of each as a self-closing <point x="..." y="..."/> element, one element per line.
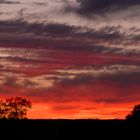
<point x="134" y="114"/>
<point x="14" y="108"/>
<point x="3" y="110"/>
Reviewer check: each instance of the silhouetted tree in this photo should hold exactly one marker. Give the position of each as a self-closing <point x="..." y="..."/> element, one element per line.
<point x="134" y="114"/>
<point x="14" y="108"/>
<point x="3" y="110"/>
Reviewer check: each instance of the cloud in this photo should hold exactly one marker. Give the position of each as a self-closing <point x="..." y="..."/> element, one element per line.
<point x="9" y="2"/>
<point x="106" y="39"/>
<point x="10" y="82"/>
<point x="123" y="76"/>
<point x="36" y="28"/>
<point x="40" y="3"/>
<point x="100" y="6"/>
<point x="96" y="91"/>
<point x="70" y="11"/>
<point x="33" y="60"/>
<point x="114" y="84"/>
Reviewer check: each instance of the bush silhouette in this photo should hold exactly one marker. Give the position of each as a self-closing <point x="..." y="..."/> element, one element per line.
<point x="14" y="108"/>
<point x="134" y="114"/>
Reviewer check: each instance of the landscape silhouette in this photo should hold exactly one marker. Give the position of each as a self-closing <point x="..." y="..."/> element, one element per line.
<point x="13" y="113"/>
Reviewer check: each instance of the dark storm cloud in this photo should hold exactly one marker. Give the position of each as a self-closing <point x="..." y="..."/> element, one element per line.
<point x="99" y="6"/>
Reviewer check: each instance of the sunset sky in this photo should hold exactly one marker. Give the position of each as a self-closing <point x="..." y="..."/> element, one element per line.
<point x="71" y="58"/>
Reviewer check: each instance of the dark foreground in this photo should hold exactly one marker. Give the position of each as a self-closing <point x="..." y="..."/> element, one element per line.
<point x="54" y="129"/>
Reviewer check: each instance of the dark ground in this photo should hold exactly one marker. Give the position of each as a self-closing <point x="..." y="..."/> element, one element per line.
<point x="58" y="129"/>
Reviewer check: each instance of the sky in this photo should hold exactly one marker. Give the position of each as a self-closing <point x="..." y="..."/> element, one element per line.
<point x="71" y="58"/>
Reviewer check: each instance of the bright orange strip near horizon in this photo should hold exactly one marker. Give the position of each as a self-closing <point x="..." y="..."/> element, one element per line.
<point x="89" y="111"/>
